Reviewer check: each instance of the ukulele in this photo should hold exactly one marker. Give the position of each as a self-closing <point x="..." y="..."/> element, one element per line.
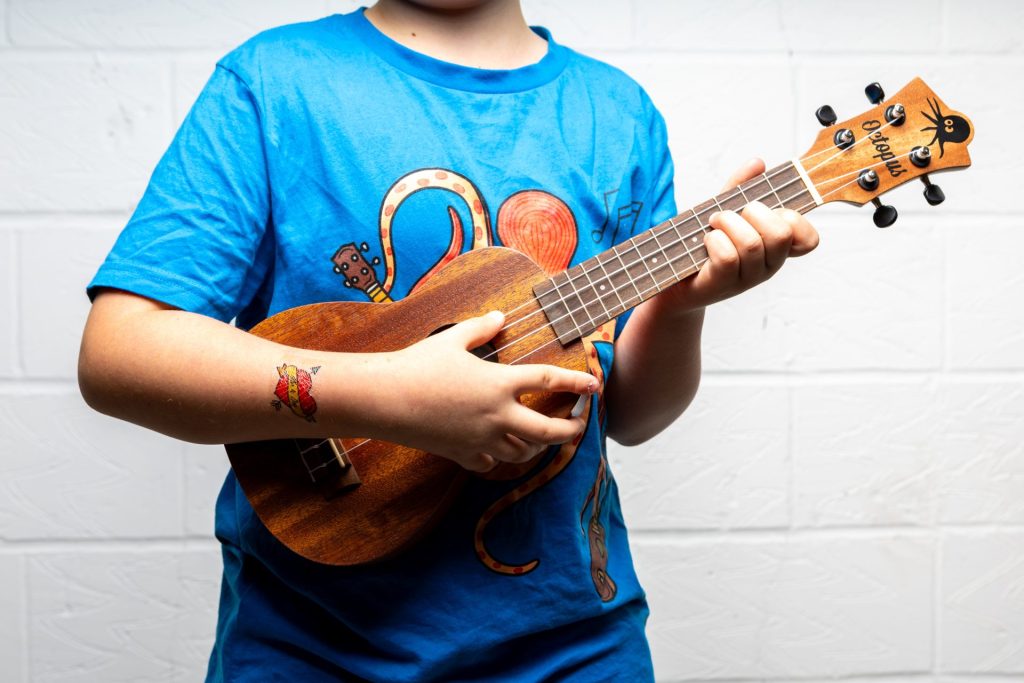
<point x="351" y="501"/>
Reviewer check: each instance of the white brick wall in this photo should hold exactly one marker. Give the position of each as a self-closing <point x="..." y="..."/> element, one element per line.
<point x="845" y="499"/>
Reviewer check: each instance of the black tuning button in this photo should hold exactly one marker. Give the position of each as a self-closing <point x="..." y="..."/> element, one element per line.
<point x="826" y="115"/>
<point x="875" y="93"/>
<point x="933" y="194"/>
<point x="868" y="180"/>
<point x="885" y="215"/>
<point x="896" y="114"/>
<point x="920" y="156"/>
<point x="843" y="138"/>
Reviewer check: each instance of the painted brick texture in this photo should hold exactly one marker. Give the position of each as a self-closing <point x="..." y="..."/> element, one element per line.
<point x="843" y="501"/>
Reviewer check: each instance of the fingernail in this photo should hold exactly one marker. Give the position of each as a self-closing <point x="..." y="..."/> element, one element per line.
<point x="497" y="316"/>
<point x="714" y="216"/>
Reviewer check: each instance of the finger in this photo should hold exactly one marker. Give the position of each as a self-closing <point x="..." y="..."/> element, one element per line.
<point x="509" y="449"/>
<point x="529" y="425"/>
<point x="748" y="243"/>
<point x="805" y="237"/>
<point x="476" y="331"/>
<point x="776" y="233"/>
<point x="552" y="378"/>
<point x="522" y="450"/>
<point x="745" y="172"/>
<point x="481" y="462"/>
<point x="723" y="259"/>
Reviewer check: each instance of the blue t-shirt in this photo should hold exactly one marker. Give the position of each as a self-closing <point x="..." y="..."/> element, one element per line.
<point x="317" y="141"/>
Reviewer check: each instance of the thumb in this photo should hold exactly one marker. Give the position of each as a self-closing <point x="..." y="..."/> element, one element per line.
<point x="476" y="331"/>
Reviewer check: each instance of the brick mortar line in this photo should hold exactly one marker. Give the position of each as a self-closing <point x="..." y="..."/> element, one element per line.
<point x="643" y="536"/>
<point x="782" y="534"/>
<point x="106" y="545"/>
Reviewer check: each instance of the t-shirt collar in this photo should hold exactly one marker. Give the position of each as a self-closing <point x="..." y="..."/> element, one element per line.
<point x="457" y="76"/>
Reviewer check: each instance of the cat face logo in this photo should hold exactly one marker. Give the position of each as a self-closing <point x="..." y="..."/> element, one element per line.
<point x="948" y="127"/>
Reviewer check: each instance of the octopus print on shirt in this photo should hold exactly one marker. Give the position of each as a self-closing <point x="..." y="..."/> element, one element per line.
<point x="541" y="226"/>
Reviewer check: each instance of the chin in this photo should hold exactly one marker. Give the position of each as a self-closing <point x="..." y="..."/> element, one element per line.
<point x="452" y="5"/>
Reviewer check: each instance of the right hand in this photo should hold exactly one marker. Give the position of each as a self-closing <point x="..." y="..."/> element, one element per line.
<point x="451" y="403"/>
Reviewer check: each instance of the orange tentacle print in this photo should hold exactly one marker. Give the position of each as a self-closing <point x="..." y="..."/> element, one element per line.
<point x="454" y="247"/>
<point x="558" y="462"/>
<point x="425" y="179"/>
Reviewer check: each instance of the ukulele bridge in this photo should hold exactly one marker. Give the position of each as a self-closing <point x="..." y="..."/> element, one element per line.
<point x="328" y="466"/>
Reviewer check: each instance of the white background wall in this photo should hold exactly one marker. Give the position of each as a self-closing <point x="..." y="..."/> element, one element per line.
<point x="844" y="500"/>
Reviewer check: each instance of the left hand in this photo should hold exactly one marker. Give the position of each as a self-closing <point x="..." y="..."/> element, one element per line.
<point x="744" y="250"/>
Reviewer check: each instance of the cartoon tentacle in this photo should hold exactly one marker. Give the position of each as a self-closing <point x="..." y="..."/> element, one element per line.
<point x="551" y="470"/>
<point x="558" y="463"/>
<point x="424" y="179"/>
<point x="454" y="247"/>
<point x="603" y="583"/>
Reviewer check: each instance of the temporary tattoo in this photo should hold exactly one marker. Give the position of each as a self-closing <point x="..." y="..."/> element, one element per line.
<point x="292" y="390"/>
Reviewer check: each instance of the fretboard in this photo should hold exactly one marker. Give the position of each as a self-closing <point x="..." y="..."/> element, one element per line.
<point x="579" y="300"/>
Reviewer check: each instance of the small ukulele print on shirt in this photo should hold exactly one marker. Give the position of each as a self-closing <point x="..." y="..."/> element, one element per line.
<point x="544" y="228"/>
<point x="292" y="390"/>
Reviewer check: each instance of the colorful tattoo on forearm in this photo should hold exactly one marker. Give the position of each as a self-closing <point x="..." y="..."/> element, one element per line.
<point x="292" y="390"/>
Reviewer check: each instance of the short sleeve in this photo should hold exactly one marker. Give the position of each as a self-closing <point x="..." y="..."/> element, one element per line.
<point x="662" y="194"/>
<point x="194" y="239"/>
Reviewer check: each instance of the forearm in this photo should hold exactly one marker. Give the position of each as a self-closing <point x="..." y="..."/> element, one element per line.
<point x="656" y="371"/>
<point x="201" y="380"/>
<point x="198" y="379"/>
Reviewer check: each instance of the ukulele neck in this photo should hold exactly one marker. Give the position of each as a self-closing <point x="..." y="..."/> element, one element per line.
<point x="579" y="300"/>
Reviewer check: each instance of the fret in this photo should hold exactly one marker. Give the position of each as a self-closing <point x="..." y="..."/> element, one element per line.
<point x="610" y="283"/>
<point x="743" y="194"/>
<point x="729" y="201"/>
<point x="668" y="258"/>
<point x="646" y="260"/>
<point x="569" y="305"/>
<point x="683" y="238"/>
<point x="590" y="294"/>
<point x="556" y="310"/>
<point x="640" y="267"/>
<point x="778" y="200"/>
<point x="629" y="275"/>
<point x="570" y="279"/>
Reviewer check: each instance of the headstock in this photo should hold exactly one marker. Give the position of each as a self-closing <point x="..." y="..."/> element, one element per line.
<point x="910" y="135"/>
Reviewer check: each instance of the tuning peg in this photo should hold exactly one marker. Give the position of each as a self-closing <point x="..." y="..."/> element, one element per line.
<point x="826" y="115"/>
<point x="885" y="215"/>
<point x="875" y="93"/>
<point x="933" y="194"/>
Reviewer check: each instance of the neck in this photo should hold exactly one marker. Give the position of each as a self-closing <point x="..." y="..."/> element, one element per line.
<point x="579" y="300"/>
<point x="485" y="34"/>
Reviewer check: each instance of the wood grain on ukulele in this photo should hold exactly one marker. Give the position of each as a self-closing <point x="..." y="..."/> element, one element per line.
<point x="351" y="501"/>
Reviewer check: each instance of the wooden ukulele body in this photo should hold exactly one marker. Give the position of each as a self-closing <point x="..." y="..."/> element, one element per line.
<point x="401" y="492"/>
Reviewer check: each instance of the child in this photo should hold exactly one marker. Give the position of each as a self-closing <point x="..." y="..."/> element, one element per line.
<point x="414" y="130"/>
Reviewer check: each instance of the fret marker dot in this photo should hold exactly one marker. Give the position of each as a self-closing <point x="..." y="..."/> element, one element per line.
<point x="602" y="288"/>
<point x="654" y="260"/>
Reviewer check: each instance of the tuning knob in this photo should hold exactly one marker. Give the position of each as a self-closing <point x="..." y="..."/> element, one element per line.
<point x="826" y="115"/>
<point x="933" y="194"/>
<point x="875" y="93"/>
<point x="843" y="138"/>
<point x="885" y="215"/>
